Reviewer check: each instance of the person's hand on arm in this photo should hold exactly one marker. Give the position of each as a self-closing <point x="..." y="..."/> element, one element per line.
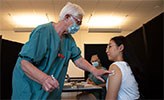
<point x="114" y="83"/>
<point x="48" y="83"/>
<point x="83" y="64"/>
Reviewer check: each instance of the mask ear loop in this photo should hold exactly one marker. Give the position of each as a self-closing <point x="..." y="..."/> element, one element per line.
<point x="66" y="19"/>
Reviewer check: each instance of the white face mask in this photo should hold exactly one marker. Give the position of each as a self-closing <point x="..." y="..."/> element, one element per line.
<point x="95" y="64"/>
<point x="74" y="28"/>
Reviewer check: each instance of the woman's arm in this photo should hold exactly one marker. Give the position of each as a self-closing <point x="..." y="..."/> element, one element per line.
<point x="114" y="83"/>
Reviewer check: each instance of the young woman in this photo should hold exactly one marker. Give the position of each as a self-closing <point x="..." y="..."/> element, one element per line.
<point x="121" y="85"/>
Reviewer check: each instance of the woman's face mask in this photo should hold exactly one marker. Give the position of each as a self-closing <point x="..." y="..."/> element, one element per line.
<point x="74" y="28"/>
<point x="95" y="64"/>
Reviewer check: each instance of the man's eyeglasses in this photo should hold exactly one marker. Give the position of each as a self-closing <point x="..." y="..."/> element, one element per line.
<point x="78" y="21"/>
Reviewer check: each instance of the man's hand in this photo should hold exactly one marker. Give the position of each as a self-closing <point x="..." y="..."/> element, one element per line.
<point x="83" y="64"/>
<point x="99" y="72"/>
<point x="49" y="84"/>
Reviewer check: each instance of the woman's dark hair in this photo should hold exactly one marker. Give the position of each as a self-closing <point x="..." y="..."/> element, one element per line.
<point x="129" y="56"/>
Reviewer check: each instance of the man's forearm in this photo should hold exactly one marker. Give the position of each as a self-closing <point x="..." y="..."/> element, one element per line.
<point x="83" y="64"/>
<point x="32" y="72"/>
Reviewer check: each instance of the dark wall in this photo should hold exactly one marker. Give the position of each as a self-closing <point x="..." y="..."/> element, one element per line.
<point x="148" y="44"/>
<point x="9" y="54"/>
<point x="0" y="63"/>
<point x="136" y="42"/>
<point x="154" y="68"/>
<point x="0" y="50"/>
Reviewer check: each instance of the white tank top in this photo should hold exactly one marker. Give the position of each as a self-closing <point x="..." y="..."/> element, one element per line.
<point x="129" y="86"/>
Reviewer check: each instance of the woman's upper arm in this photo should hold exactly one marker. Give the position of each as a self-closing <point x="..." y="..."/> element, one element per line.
<point x="114" y="83"/>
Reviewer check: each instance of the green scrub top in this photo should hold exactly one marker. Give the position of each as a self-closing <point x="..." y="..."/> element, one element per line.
<point x="44" y="50"/>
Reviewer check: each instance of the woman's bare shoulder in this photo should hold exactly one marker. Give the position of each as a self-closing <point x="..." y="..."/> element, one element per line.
<point x="116" y="70"/>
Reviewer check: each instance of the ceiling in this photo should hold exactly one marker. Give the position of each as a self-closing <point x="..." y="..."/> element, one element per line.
<point x="134" y="12"/>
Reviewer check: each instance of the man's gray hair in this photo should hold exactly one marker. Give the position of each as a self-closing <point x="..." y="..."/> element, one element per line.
<point x="72" y="9"/>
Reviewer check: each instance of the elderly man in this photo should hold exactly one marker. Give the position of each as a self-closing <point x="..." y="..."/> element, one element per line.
<point x="47" y="53"/>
